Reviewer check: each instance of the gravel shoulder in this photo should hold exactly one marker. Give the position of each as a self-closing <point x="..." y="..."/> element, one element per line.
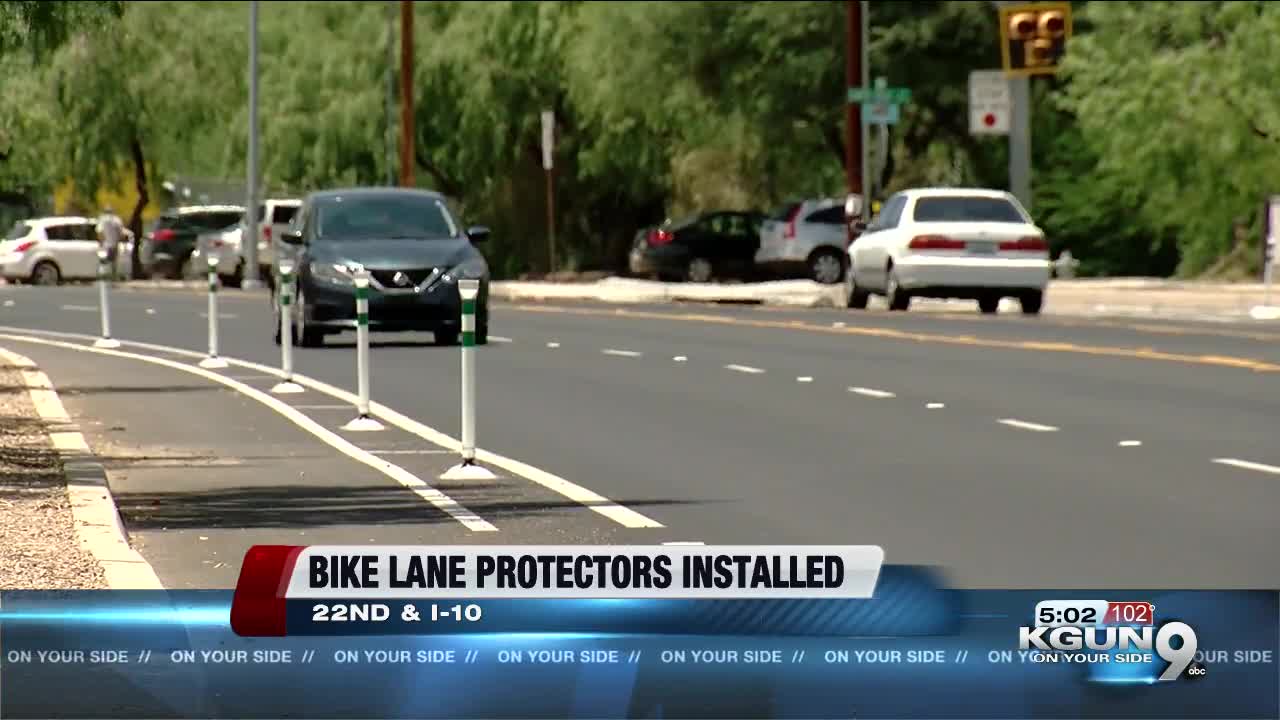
<point x="39" y="546"/>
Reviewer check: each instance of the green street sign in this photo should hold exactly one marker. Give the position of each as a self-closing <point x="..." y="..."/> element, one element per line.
<point x="879" y="96"/>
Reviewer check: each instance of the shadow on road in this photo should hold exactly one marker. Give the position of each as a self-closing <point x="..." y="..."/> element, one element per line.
<point x="27" y="461"/>
<point x="374" y="344"/>
<point x="292" y="506"/>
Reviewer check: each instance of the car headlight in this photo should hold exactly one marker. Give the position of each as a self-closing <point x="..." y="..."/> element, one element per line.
<point x="475" y="269"/>
<point x="334" y="273"/>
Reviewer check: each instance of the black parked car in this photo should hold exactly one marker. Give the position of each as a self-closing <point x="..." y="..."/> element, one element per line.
<point x="701" y="247"/>
<point x="412" y="246"/>
<point x="167" y="246"/>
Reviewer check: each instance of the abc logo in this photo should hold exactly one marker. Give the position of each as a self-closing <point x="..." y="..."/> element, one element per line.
<point x="1195" y="671"/>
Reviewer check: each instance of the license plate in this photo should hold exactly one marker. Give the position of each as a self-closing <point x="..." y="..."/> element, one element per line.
<point x="980" y="248"/>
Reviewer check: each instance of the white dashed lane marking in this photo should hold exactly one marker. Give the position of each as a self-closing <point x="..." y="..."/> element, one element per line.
<point x="935" y="406"/>
<point x="81" y="308"/>
<point x="1129" y="443"/>
<point x="500" y="339"/>
<point x="1024" y="425"/>
<point x="804" y="379"/>
<point x="680" y="358"/>
<point x="621" y="353"/>
<point x="1247" y="465"/>
<point x="744" y="369"/>
<point x="553" y="344"/>
<point x="871" y="392"/>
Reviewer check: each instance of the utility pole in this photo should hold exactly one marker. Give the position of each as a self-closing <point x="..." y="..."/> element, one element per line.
<point x="391" y="93"/>
<point x="249" y="236"/>
<point x="1019" y="132"/>
<point x="406" y="94"/>
<point x="864" y="141"/>
<point x="853" y="149"/>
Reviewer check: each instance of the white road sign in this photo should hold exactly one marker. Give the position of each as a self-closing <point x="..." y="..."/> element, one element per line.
<point x="990" y="103"/>
<point x="548" y="137"/>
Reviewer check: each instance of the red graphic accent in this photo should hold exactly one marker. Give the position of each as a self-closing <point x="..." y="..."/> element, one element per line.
<point x="258" y="606"/>
<point x="989" y="120"/>
<point x="1133" y="612"/>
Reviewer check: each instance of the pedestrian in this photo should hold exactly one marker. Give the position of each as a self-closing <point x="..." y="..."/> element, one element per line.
<point x="110" y="233"/>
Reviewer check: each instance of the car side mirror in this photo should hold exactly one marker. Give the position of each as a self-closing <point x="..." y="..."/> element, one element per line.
<point x="477" y="233"/>
<point x="291" y="237"/>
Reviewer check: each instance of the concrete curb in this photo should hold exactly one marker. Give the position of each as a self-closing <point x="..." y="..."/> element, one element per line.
<point x="96" y="517"/>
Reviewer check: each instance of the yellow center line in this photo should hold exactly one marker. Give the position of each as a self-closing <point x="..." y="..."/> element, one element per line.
<point x="888" y="333"/>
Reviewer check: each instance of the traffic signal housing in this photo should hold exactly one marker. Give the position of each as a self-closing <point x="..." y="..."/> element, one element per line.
<point x="1034" y="37"/>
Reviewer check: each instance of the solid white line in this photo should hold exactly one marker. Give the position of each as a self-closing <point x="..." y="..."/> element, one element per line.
<point x="935" y="406"/>
<point x="438" y="499"/>
<point x="744" y="369"/>
<point x="500" y="339"/>
<point x="1130" y="443"/>
<point x="871" y="392"/>
<point x="1246" y="465"/>
<point x="598" y="503"/>
<point x="1023" y="425"/>
<point x="621" y="353"/>
<point x="93" y="509"/>
<point x="804" y="379"/>
<point x="81" y="308"/>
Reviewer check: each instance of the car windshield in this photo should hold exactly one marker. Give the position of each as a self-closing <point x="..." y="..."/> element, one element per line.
<point x="212" y="220"/>
<point x="365" y="217"/>
<point x="19" y="229"/>
<point x="966" y="209"/>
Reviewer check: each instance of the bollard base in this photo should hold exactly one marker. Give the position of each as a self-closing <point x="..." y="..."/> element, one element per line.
<point x="1265" y="312"/>
<point x="106" y="343"/>
<point x="468" y="470"/>
<point x="363" y="423"/>
<point x="288" y="387"/>
<point x="213" y="363"/>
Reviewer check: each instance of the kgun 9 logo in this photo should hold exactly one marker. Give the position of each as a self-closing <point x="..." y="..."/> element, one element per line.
<point x="1072" y="639"/>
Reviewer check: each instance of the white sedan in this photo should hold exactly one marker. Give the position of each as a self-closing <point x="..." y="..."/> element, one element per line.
<point x="950" y="243"/>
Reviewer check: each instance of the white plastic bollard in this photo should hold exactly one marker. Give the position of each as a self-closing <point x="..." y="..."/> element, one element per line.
<point x="287" y="386"/>
<point x="468" y="469"/>
<point x="104" y="301"/>
<point x="362" y="422"/>
<point x="213" y="361"/>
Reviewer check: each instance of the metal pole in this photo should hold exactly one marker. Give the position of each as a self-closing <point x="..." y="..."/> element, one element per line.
<point x="469" y="290"/>
<point x="249" y="237"/>
<point x="213" y="361"/>
<point x="853" y="111"/>
<point x="864" y="144"/>
<point x="1019" y="133"/>
<point x="104" y="300"/>
<point x="362" y="421"/>
<point x="551" y="221"/>
<point x="391" y="93"/>
<point x="287" y="385"/>
<point x="406" y="93"/>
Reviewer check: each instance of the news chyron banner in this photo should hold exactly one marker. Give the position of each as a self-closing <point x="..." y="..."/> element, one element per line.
<point x="480" y="632"/>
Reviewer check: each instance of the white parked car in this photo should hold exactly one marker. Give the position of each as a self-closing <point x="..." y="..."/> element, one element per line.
<point x="274" y="216"/>
<point x="805" y="239"/>
<point x="50" y="250"/>
<point x="950" y="243"/>
<point x="223" y="244"/>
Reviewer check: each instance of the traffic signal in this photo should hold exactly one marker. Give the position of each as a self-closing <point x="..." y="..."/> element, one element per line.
<point x="1034" y="37"/>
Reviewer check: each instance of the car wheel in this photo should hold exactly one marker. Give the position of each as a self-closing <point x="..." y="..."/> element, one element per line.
<point x="1031" y="302"/>
<point x="306" y="336"/>
<point x="45" y="273"/>
<point x="700" y="270"/>
<point x="235" y="279"/>
<point x="446" y="336"/>
<point x="856" y="297"/>
<point x="826" y="267"/>
<point x="989" y="304"/>
<point x="899" y="300"/>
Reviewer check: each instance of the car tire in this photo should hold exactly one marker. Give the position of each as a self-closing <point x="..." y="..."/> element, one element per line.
<point x="46" y="273"/>
<point x="1031" y="301"/>
<point x="235" y="279"/>
<point x="897" y="298"/>
<point x="989" y="304"/>
<point x="826" y="267"/>
<point x="446" y="337"/>
<point x="699" y="270"/>
<point x="305" y="335"/>
<point x="855" y="297"/>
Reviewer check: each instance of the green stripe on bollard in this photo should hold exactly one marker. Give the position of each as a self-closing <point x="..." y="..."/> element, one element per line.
<point x="362" y="319"/>
<point x="468" y="338"/>
<point x="362" y="293"/>
<point x="285" y="300"/>
<point x="468" y="307"/>
<point x="213" y="284"/>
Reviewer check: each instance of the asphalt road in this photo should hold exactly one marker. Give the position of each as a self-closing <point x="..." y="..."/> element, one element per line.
<point x="1011" y="452"/>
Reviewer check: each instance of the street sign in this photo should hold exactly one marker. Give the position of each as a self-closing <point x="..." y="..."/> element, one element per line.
<point x="883" y="96"/>
<point x="990" y="103"/>
<point x="548" y="138"/>
<point x="880" y="114"/>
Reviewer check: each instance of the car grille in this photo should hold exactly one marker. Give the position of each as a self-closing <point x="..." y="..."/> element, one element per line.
<point x="386" y="278"/>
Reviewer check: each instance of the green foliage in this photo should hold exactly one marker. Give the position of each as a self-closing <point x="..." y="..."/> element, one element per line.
<point x="1159" y="133"/>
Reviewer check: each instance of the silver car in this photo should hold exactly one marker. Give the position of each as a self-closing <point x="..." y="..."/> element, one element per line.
<point x="806" y="240"/>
